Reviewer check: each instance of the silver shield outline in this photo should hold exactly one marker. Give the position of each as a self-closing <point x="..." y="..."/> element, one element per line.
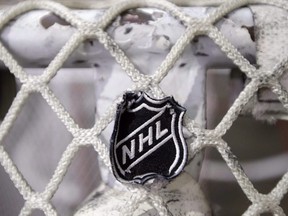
<point x="144" y="100"/>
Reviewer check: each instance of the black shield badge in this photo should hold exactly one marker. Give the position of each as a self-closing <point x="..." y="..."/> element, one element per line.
<point x="147" y="140"/>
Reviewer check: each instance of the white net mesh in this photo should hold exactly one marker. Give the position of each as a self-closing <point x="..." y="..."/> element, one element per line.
<point x="150" y="83"/>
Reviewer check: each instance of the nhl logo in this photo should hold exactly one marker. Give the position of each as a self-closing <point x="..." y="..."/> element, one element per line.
<point x="147" y="140"/>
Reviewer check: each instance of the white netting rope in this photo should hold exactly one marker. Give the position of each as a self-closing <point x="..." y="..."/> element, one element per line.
<point x="150" y="83"/>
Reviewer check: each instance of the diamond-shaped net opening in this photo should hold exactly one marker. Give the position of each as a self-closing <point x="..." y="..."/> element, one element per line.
<point x="260" y="203"/>
<point x="216" y="178"/>
<point x="153" y="39"/>
<point x="44" y="26"/>
<point x="71" y="86"/>
<point x="223" y="86"/>
<point x="264" y="168"/>
<point x="80" y="180"/>
<point x="245" y="28"/>
<point x="25" y="145"/>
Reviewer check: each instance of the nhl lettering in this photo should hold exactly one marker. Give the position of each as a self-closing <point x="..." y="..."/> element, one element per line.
<point x="141" y="140"/>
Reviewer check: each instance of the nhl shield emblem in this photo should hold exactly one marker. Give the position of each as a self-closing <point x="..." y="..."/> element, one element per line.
<point x="147" y="141"/>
